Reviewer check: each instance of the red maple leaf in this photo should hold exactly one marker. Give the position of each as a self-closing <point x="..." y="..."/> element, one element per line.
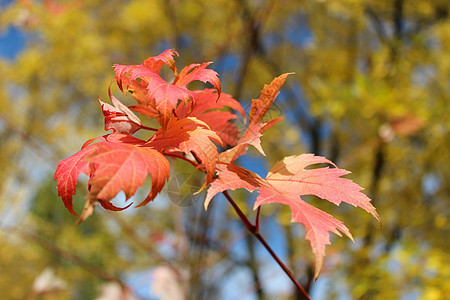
<point x="252" y="136"/>
<point x="118" y="162"/>
<point x="231" y="177"/>
<point x="288" y="180"/>
<point x="189" y="135"/>
<point x="119" y="117"/>
<point x="155" y="63"/>
<point x="116" y="167"/>
<point x="209" y="109"/>
<point x="259" y="108"/>
<point x="67" y="173"/>
<point x="163" y="95"/>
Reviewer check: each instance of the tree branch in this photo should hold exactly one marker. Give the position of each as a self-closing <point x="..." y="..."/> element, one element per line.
<point x="252" y="229"/>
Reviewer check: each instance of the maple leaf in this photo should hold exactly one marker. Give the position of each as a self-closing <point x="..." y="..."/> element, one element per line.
<point x="67" y="172"/>
<point x="208" y="108"/>
<point x="119" y="117"/>
<point x="189" y="135"/>
<point x="207" y="100"/>
<point x="269" y="124"/>
<point x="138" y="90"/>
<point x="154" y="64"/>
<point x="219" y="122"/>
<point x="198" y="72"/>
<point x="252" y="136"/>
<point x="116" y="167"/>
<point x="288" y="180"/>
<point x="165" y="95"/>
<point x="261" y="106"/>
<point x="146" y="110"/>
<point x="117" y="162"/>
<point x="231" y="177"/>
<point x="253" y="133"/>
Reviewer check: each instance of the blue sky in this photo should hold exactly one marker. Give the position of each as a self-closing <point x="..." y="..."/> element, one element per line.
<point x="12" y="40"/>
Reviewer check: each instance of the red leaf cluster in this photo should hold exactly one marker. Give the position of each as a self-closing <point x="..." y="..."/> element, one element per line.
<point x="194" y="124"/>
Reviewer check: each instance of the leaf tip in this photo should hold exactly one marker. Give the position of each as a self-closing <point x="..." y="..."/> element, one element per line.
<point x="88" y="210"/>
<point x="350" y="236"/>
<point x="375" y="214"/>
<point x="206" y="203"/>
<point x="318" y="267"/>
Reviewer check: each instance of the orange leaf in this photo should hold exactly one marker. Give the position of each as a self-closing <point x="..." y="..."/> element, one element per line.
<point x="258" y="110"/>
<point x="208" y="109"/>
<point x="116" y="167"/>
<point x="163" y="95"/>
<point x="189" y="135"/>
<point x="231" y="177"/>
<point x="119" y="117"/>
<point x="67" y="173"/>
<point x="119" y="162"/>
<point x="289" y="180"/>
<point x="261" y="106"/>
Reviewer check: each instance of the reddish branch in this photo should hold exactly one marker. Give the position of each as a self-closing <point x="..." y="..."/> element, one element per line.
<point x="253" y="229"/>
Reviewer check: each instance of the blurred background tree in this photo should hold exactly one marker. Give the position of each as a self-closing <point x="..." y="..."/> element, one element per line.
<point x="371" y="93"/>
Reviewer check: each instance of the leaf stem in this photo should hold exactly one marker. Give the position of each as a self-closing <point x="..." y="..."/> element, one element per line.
<point x="253" y="229"/>
<point x="182" y="157"/>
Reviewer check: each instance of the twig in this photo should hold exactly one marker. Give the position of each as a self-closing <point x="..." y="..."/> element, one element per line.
<point x="181" y="157"/>
<point x="257" y="219"/>
<point x="252" y="229"/>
